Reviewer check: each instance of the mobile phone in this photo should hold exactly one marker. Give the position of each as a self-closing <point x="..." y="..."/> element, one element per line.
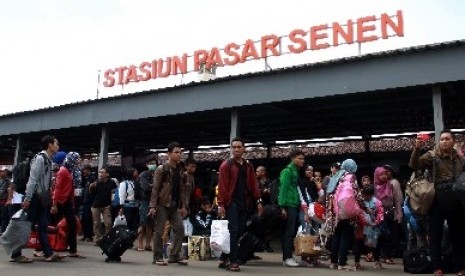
<point x="423" y="136"/>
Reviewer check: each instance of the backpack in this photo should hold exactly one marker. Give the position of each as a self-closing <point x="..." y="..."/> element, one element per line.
<point x="274" y="191"/>
<point x="416" y="261"/>
<point x="21" y="174"/>
<point x="143" y="187"/>
<point x="345" y="199"/>
<point x="22" y="171"/>
<point x="421" y="194"/>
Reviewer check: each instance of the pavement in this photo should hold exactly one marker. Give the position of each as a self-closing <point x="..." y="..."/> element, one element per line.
<point x="139" y="263"/>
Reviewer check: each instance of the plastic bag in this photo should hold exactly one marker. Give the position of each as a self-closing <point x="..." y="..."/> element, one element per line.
<point x="17" y="233"/>
<point x="219" y="239"/>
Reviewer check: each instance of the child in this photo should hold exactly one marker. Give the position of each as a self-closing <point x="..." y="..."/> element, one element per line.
<point x="368" y="227"/>
<point x="203" y="219"/>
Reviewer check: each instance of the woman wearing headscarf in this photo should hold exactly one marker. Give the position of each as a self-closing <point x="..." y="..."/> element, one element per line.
<point x="63" y="199"/>
<point x="389" y="196"/>
<point x="345" y="220"/>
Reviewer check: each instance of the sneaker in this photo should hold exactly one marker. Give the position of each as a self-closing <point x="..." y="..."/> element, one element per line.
<point x="333" y="266"/>
<point x="345" y="267"/>
<point x="160" y="262"/>
<point x="290" y="263"/>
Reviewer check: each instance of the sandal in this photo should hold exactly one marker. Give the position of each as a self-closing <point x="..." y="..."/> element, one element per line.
<point x="54" y="258"/>
<point x="77" y="255"/>
<point x="389" y="261"/>
<point x="369" y="258"/>
<point x="359" y="267"/>
<point x="148" y="248"/>
<point x="140" y="248"/>
<point x="22" y="260"/>
<point x="378" y="266"/>
<point x="438" y="272"/>
<point x="461" y="273"/>
<point x="234" y="267"/>
<point x="223" y="264"/>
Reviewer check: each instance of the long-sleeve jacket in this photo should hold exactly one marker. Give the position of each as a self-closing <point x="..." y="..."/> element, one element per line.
<point x="229" y="170"/>
<point x="398" y="197"/>
<point x="288" y="194"/>
<point x="40" y="175"/>
<point x="444" y="164"/>
<point x="64" y="190"/>
<point x="162" y="187"/>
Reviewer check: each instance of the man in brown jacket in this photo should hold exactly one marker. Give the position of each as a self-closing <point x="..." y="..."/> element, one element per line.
<point x="169" y="203"/>
<point x="446" y="165"/>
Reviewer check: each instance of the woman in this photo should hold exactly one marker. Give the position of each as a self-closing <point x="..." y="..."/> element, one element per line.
<point x="63" y="199"/>
<point x="390" y="197"/>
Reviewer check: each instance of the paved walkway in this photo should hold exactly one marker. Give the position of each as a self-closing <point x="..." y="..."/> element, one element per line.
<point x="139" y="263"/>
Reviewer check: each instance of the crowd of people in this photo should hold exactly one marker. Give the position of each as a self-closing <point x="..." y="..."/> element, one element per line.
<point x="361" y="214"/>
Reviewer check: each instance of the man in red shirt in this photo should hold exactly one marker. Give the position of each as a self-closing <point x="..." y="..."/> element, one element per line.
<point x="63" y="199"/>
<point x="237" y="193"/>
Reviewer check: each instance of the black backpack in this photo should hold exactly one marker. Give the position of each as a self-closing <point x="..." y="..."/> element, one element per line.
<point x="22" y="171"/>
<point x="21" y="174"/>
<point x="274" y="191"/>
<point x="416" y="261"/>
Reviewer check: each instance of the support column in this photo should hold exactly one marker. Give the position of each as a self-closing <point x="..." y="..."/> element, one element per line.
<point x="437" y="112"/>
<point x="103" y="155"/>
<point x="235" y="127"/>
<point x="19" y="150"/>
<point x="366" y="141"/>
<point x="190" y="155"/>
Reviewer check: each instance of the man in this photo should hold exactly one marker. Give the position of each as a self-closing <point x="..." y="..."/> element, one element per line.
<point x="263" y="184"/>
<point x="445" y="164"/>
<point x="189" y="182"/>
<point x="169" y="203"/>
<point x="237" y="192"/>
<point x="35" y="202"/>
<point x="102" y="190"/>
<point x="4" y="185"/>
<point x="87" y="225"/>
<point x="289" y="202"/>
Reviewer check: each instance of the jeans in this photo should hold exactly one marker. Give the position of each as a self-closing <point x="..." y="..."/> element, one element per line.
<point x="4" y="217"/>
<point x="456" y="229"/>
<point x="87" y="224"/>
<point x="237" y="219"/>
<point x="342" y="239"/>
<point x="132" y="217"/>
<point x="289" y="232"/>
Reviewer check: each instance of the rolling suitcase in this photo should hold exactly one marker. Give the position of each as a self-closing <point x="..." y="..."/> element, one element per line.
<point x="116" y="242"/>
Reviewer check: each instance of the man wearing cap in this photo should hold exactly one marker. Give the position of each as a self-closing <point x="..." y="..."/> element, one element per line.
<point x="4" y="185"/>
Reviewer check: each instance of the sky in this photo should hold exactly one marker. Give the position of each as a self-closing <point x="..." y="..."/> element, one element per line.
<point x="51" y="51"/>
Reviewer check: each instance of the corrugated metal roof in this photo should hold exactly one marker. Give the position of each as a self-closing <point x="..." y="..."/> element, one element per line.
<point x="390" y="53"/>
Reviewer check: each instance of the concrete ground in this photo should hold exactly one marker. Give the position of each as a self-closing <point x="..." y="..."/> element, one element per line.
<point x="139" y="263"/>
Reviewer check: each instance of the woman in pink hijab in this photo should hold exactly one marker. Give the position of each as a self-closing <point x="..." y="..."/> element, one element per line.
<point x="385" y="192"/>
